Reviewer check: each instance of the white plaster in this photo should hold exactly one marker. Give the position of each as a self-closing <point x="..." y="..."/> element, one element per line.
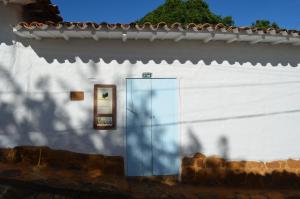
<point x="38" y="138"/>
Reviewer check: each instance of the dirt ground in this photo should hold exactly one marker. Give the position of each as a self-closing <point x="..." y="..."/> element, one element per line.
<point x="145" y="190"/>
<point x="58" y="184"/>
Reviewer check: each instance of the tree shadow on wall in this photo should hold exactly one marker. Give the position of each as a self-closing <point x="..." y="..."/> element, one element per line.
<point x="43" y="118"/>
<point x="223" y="146"/>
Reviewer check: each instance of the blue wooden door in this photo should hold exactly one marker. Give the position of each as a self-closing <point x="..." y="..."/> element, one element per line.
<point x="152" y="136"/>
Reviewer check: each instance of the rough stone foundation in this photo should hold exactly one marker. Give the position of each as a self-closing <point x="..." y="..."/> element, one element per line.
<point x="203" y="170"/>
<point x="31" y="163"/>
<point x="45" y="157"/>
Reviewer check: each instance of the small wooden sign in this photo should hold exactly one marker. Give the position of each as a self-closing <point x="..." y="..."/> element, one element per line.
<point x="76" y="95"/>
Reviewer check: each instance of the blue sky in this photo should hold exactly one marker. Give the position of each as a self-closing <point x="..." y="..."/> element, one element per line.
<point x="285" y="12"/>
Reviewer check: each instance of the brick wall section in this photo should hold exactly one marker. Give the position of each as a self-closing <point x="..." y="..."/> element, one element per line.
<point x="63" y="160"/>
<point x="200" y="169"/>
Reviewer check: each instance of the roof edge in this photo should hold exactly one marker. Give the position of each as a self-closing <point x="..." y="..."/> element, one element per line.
<point x="36" y="25"/>
<point x="161" y="31"/>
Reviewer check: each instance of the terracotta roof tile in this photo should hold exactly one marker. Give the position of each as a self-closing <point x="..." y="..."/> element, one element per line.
<point x="152" y="27"/>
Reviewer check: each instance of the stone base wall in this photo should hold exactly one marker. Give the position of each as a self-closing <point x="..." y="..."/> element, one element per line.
<point x="45" y="157"/>
<point x="198" y="169"/>
<point x="213" y="170"/>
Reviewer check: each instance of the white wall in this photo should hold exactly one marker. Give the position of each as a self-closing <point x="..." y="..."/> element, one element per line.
<point x="238" y="99"/>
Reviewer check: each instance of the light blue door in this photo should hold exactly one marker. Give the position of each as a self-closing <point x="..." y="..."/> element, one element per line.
<point x="152" y="135"/>
<point x="165" y="134"/>
<point x="138" y="127"/>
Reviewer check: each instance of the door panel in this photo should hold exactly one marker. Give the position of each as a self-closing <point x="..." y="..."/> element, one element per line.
<point x="152" y="136"/>
<point x="165" y="135"/>
<point x="138" y="111"/>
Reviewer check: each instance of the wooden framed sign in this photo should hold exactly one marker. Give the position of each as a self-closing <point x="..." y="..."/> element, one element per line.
<point x="104" y="106"/>
<point x="77" y="95"/>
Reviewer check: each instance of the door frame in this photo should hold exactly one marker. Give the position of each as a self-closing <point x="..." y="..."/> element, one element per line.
<point x="179" y="123"/>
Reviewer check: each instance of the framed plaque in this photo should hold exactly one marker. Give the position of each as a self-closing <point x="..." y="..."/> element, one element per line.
<point x="77" y="95"/>
<point x="104" y="106"/>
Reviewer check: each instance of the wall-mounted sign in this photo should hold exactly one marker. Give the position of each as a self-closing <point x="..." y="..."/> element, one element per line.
<point x="147" y="75"/>
<point x="104" y="106"/>
<point x="76" y="95"/>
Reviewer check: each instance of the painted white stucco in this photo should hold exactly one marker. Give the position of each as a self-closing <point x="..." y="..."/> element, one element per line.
<point x="239" y="99"/>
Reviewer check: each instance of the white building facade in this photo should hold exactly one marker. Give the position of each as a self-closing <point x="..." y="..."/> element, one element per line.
<point x="237" y="92"/>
